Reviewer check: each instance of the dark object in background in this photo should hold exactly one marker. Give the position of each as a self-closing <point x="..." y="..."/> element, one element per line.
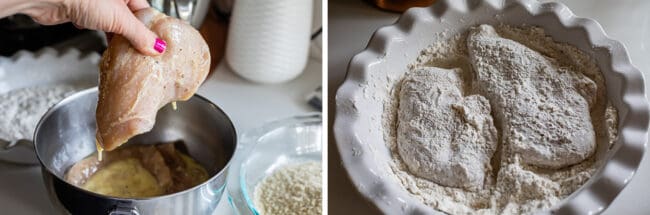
<point x="215" y="30"/>
<point x="19" y="32"/>
<point x="400" y="5"/>
<point x="315" y="99"/>
<point x="223" y="7"/>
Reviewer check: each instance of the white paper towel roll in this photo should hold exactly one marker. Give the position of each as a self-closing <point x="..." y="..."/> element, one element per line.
<point x="268" y="41"/>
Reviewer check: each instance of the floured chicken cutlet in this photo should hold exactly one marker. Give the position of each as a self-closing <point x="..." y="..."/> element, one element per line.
<point x="133" y="86"/>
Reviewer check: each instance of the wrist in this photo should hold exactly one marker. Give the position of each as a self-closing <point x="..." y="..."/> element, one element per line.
<point x="38" y="7"/>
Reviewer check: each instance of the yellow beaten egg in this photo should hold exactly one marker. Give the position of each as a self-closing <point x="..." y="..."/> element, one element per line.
<point x="124" y="178"/>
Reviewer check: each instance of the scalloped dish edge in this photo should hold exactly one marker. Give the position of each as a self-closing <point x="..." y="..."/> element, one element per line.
<point x="358" y="154"/>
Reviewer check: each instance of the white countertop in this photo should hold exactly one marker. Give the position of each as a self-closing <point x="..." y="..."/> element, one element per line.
<point x="248" y="105"/>
<point x="351" y="23"/>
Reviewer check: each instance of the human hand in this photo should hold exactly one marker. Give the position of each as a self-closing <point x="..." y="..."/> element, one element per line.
<point x="113" y="16"/>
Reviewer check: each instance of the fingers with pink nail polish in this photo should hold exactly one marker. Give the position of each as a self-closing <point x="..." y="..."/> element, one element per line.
<point x="160" y="45"/>
<point x="140" y="36"/>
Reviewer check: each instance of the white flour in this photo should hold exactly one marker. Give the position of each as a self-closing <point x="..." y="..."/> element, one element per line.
<point x="524" y="175"/>
<point x="294" y="189"/>
<point x="21" y="109"/>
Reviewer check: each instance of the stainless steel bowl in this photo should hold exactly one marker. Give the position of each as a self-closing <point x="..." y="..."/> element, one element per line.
<point x="66" y="134"/>
<point x="191" y="11"/>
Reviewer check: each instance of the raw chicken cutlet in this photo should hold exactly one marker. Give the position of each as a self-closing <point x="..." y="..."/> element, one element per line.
<point x="133" y="86"/>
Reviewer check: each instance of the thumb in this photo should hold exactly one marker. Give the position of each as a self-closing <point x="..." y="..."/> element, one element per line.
<point x="140" y="37"/>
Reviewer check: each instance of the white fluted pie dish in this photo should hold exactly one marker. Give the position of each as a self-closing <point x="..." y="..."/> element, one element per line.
<point x="358" y="124"/>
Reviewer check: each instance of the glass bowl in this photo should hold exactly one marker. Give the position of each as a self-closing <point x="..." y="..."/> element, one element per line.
<point x="263" y="150"/>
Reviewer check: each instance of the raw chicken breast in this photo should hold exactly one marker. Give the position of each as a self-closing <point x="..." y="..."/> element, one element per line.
<point x="134" y="86"/>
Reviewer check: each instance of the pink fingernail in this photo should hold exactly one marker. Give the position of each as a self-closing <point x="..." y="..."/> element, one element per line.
<point x="160" y="45"/>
